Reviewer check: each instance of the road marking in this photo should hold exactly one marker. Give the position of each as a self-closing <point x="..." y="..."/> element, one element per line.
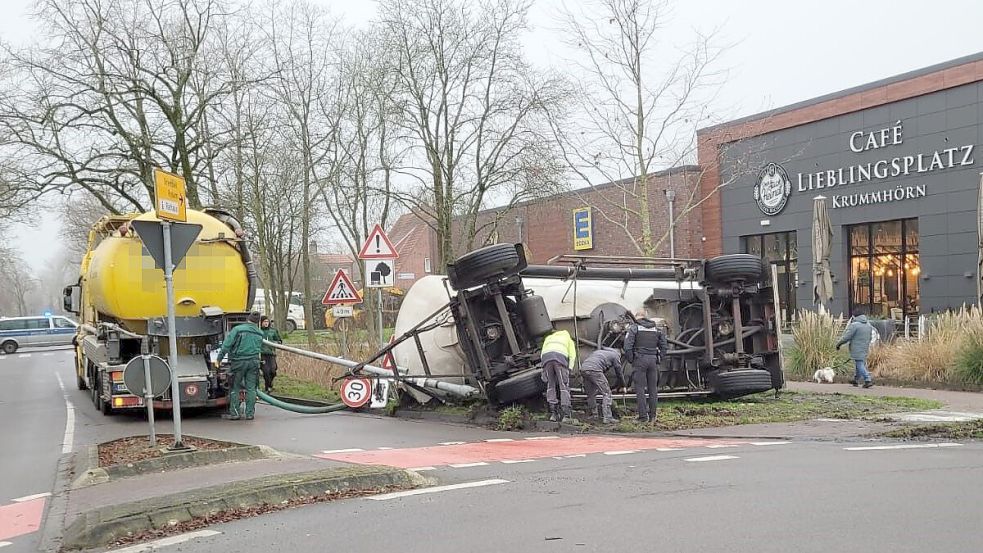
<point x="166" y="542"/>
<point x="69" y="439"/>
<point x="384" y="448"/>
<point x="5" y="543"/>
<point x="50" y="354"/>
<point x="421" y="469"/>
<point x="902" y="446"/>
<point x="437" y="489"/>
<point x="23" y="355"/>
<point x="18" y="519"/>
<point x="544" y="438"/>
<point x="514" y="461"/>
<point x="668" y="449"/>
<point x="622" y="452"/>
<point x="770" y="443"/>
<point x="330" y="451"/>
<point x="452" y="443"/>
<point x="711" y="458"/>
<point x="468" y="465"/>
<point x="719" y="446"/>
<point x="499" y="440"/>
<point x="31" y="497"/>
<point x="577" y="456"/>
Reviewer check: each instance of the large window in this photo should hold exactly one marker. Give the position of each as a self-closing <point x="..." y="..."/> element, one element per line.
<point x="781" y="250"/>
<point x="884" y="269"/>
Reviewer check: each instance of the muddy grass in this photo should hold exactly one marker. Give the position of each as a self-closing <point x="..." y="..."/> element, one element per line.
<point x="136" y="448"/>
<point x="970" y="430"/>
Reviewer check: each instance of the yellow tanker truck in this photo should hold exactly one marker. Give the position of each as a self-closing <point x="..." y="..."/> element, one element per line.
<point x="120" y="300"/>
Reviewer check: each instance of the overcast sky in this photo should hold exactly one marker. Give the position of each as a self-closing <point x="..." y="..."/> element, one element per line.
<point x="783" y="52"/>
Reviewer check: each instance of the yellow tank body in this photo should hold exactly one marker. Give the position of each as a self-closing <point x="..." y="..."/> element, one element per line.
<point x="121" y="281"/>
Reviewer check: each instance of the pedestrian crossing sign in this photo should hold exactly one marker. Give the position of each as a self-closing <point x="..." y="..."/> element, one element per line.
<point x="341" y="291"/>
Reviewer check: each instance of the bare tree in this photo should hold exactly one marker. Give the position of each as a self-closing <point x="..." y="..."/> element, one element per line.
<point x="640" y="104"/>
<point x="473" y="109"/>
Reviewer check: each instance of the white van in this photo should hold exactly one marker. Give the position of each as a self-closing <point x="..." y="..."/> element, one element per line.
<point x="295" y="310"/>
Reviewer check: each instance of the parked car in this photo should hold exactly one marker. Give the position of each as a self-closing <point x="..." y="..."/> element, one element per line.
<point x="19" y="332"/>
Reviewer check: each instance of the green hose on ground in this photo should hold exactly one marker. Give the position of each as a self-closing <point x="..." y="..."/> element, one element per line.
<point x="303" y="409"/>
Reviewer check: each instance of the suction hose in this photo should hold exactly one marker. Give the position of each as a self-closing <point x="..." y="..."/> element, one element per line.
<point x="302" y="409"/>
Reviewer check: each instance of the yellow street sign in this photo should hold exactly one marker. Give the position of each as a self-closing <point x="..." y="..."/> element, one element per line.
<point x="171" y="200"/>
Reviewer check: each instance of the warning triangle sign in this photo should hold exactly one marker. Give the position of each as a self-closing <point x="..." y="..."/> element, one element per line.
<point x="388" y="362"/>
<point x="377" y="246"/>
<point x="341" y="290"/>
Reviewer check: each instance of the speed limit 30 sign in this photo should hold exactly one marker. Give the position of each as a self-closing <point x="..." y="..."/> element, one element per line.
<point x="356" y="392"/>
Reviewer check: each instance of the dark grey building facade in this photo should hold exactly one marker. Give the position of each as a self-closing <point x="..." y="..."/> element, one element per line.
<point x="901" y="181"/>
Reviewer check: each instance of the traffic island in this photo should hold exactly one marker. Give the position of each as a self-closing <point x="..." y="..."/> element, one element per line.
<point x="176" y="513"/>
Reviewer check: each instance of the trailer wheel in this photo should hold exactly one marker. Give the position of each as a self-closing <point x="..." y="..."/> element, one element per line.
<point x="741" y="382"/>
<point x="290" y="326"/>
<point x="520" y="386"/>
<point x="483" y="265"/>
<point x="9" y="347"/>
<point x="738" y="267"/>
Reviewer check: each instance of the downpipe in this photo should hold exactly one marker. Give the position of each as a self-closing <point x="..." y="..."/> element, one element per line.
<point x="460" y="390"/>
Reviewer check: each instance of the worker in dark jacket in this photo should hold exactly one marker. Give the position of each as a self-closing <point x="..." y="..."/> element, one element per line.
<point x="645" y="346"/>
<point x="243" y="344"/>
<point x="593" y="370"/>
<point x="268" y="363"/>
<point x="859" y="334"/>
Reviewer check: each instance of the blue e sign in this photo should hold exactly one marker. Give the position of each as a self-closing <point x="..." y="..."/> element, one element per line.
<point x="583" y="229"/>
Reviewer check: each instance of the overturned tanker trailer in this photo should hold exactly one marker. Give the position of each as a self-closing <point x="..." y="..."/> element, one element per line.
<point x="488" y="316"/>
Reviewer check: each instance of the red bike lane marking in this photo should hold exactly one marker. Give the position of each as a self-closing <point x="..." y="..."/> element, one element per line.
<point x="18" y="519"/>
<point x="512" y="451"/>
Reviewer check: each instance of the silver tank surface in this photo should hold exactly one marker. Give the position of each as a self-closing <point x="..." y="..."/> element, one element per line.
<point x="440" y="345"/>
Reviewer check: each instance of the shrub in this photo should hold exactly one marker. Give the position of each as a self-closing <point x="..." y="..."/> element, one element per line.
<point x="969" y="360"/>
<point x="816" y="335"/>
<point x="951" y="350"/>
<point x="511" y="418"/>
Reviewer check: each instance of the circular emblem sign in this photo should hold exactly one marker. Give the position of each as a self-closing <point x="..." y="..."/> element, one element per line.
<point x="356" y="392"/>
<point x="772" y="190"/>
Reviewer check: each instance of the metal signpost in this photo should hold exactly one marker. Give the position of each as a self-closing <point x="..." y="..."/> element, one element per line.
<point x="380" y="257"/>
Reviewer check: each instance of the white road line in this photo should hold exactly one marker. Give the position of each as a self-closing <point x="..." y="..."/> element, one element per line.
<point x="515" y="461"/>
<point x="69" y="439"/>
<point x="421" y="469"/>
<point x="31" y="497"/>
<point x="669" y="449"/>
<point x="575" y="456"/>
<point x="623" y="452"/>
<point x="770" y="443"/>
<point x="468" y="465"/>
<point x="330" y="451"/>
<point x="437" y="489"/>
<point x="544" y="438"/>
<point x="49" y="354"/>
<point x="497" y="440"/>
<point x="451" y="443"/>
<point x="5" y="543"/>
<point x="903" y="446"/>
<point x="166" y="542"/>
<point x="711" y="458"/>
<point x="23" y="355"/>
<point x="379" y="448"/>
<point x="717" y="446"/>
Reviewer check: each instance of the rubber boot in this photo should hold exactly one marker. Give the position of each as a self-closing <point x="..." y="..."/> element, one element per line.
<point x="606" y="417"/>
<point x="554" y="413"/>
<point x="568" y="416"/>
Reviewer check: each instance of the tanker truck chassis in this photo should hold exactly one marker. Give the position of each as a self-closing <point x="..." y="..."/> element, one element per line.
<point x="719" y="315"/>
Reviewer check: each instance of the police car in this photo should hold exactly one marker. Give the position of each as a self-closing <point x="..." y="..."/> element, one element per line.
<point x="45" y="330"/>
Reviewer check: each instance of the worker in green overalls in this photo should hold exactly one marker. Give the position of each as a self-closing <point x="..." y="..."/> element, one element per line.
<point x="243" y="344"/>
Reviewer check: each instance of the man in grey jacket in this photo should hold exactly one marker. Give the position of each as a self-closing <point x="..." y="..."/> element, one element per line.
<point x="859" y="334"/>
<point x="592" y="371"/>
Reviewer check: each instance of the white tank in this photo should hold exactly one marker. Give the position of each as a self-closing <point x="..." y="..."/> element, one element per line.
<point x="440" y="345"/>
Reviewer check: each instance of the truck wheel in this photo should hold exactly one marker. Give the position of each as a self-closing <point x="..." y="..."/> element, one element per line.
<point x="741" y="382"/>
<point x="738" y="267"/>
<point x="80" y="382"/>
<point x="9" y="347"/>
<point x="522" y="385"/>
<point x="290" y="326"/>
<point x="483" y="265"/>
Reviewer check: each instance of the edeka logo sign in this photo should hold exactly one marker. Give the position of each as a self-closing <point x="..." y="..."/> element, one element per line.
<point x="883" y="169"/>
<point x="772" y="189"/>
<point x="583" y="229"/>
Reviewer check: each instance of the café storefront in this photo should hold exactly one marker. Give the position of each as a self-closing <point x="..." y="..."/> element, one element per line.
<point x="900" y="179"/>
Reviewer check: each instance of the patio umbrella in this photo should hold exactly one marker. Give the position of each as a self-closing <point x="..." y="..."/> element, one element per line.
<point x="822" y="241"/>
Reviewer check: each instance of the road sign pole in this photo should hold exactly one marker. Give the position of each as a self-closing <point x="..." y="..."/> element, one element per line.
<point x="148" y="398"/>
<point x="382" y="337"/>
<point x="172" y="337"/>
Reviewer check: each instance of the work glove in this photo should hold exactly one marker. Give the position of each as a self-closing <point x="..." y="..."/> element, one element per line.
<point x="218" y="364"/>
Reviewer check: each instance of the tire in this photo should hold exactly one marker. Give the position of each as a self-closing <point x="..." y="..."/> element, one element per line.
<point x="9" y="347"/>
<point x="80" y="383"/>
<point x="741" y="382"/>
<point x="483" y="265"/>
<point x="290" y="326"/>
<point x="520" y="386"/>
<point x="735" y="268"/>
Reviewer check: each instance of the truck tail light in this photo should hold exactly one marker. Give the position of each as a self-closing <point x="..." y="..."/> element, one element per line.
<point x="127" y="401"/>
<point x="117" y="376"/>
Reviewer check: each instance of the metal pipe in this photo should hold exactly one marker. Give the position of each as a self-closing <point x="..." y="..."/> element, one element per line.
<point x="598" y="273"/>
<point x="671" y="196"/>
<point x="460" y="390"/>
<point x="172" y="337"/>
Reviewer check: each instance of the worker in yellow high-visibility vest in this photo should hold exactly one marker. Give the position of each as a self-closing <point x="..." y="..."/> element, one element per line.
<point x="559" y="353"/>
